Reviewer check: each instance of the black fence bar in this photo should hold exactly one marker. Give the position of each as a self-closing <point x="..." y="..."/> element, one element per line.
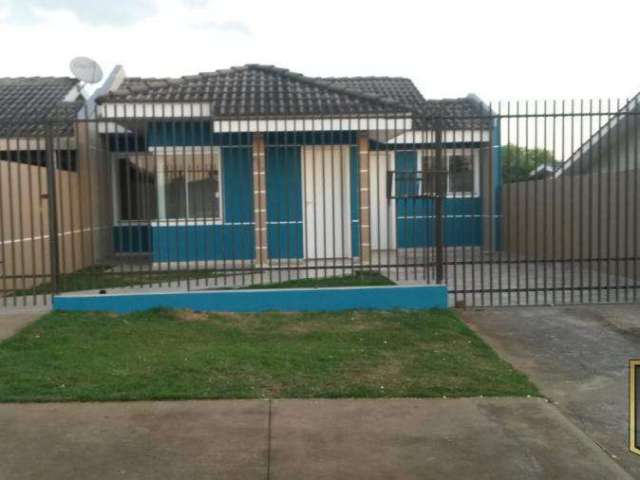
<point x="52" y="198"/>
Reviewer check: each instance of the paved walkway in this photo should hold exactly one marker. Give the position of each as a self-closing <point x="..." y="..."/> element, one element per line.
<point x="292" y="439"/>
<point x="12" y="321"/>
<point x="578" y="357"/>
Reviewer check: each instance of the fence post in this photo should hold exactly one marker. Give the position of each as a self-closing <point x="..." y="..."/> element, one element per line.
<point x="440" y="193"/>
<point x="54" y="253"/>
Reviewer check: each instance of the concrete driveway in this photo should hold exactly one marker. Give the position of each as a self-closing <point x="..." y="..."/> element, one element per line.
<point x="578" y="357"/>
<point x="293" y="439"/>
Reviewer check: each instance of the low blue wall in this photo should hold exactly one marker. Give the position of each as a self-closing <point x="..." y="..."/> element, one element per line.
<point x="295" y="299"/>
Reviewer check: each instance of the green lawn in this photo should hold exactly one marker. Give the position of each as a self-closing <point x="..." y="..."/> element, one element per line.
<point x="357" y="279"/>
<point x="179" y="355"/>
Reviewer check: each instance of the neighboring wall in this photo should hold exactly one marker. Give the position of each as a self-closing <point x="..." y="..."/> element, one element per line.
<point x="576" y="217"/>
<point x="84" y="216"/>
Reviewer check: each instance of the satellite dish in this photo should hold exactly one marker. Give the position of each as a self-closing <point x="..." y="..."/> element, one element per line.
<point x="86" y="70"/>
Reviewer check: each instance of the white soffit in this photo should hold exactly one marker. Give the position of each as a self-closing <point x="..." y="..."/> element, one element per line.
<point x="311" y="125"/>
<point x="154" y="110"/>
<point x="448" y="136"/>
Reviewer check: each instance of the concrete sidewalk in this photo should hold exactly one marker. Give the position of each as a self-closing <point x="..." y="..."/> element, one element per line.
<point x="13" y="321"/>
<point x="578" y="356"/>
<point x="292" y="439"/>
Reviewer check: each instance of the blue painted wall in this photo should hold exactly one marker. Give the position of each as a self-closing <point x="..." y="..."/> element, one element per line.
<point x="188" y="133"/>
<point x="354" y="172"/>
<point x="310" y="138"/>
<point x="203" y="242"/>
<point x="497" y="176"/>
<point x="233" y="239"/>
<point x="185" y="133"/>
<point x="415" y="221"/>
<point x="284" y="202"/>
<point x="237" y="181"/>
<point x="132" y="239"/>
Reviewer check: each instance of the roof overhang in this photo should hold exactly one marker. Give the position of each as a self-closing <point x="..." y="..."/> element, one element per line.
<point x="113" y="111"/>
<point x="151" y="111"/>
<point x="448" y="136"/>
<point x="321" y="124"/>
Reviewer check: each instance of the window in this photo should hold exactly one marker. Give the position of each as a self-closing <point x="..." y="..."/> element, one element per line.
<point x="137" y="197"/>
<point x="192" y="187"/>
<point x="461" y="174"/>
<point x="461" y="168"/>
<point x="429" y="186"/>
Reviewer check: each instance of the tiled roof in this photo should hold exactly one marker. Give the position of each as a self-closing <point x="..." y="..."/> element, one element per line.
<point x="465" y="112"/>
<point x="27" y="104"/>
<point x="255" y="90"/>
<point x="398" y="89"/>
<point x="456" y="113"/>
<point x="267" y="90"/>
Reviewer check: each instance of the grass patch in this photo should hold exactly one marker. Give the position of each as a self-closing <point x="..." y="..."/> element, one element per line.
<point x="165" y="354"/>
<point x="102" y="277"/>
<point x="357" y="279"/>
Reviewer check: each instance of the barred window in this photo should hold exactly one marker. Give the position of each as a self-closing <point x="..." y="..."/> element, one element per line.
<point x="460" y="172"/>
<point x="192" y="187"/>
<point x="136" y="183"/>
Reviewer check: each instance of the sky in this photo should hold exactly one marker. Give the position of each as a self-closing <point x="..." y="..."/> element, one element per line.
<point x="499" y="50"/>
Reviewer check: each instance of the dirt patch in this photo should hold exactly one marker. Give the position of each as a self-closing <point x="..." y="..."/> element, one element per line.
<point x="388" y="371"/>
<point x="191" y="316"/>
<point x="311" y="326"/>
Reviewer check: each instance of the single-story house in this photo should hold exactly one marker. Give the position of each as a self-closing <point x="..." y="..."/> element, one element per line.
<point x="257" y="163"/>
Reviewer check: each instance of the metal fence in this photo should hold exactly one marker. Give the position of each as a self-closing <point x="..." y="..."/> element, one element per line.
<point x="523" y="203"/>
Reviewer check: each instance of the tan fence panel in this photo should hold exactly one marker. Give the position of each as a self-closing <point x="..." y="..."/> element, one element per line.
<point x="579" y="217"/>
<point x="84" y="216"/>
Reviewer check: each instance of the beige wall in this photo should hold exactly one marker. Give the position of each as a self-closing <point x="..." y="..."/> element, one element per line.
<point x="581" y="217"/>
<point x="84" y="216"/>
